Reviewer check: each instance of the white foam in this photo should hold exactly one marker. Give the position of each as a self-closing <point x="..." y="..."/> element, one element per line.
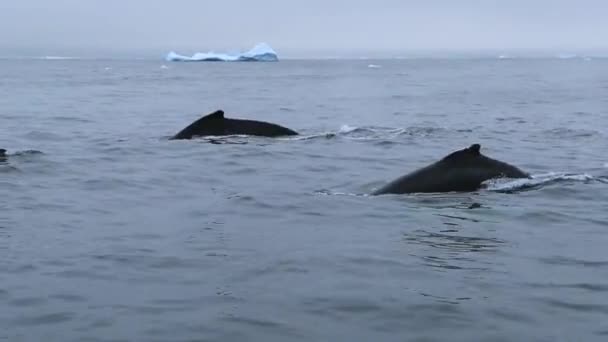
<point x="509" y="184"/>
<point x="374" y="66"/>
<point x="347" y="129"/>
<point x="564" y="176"/>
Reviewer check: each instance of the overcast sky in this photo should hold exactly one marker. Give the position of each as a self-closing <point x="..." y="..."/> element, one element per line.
<point x="301" y="27"/>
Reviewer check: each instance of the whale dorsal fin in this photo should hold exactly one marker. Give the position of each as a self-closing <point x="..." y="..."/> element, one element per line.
<point x="474" y="149"/>
<point x="471" y="151"/>
<point x="217" y="115"/>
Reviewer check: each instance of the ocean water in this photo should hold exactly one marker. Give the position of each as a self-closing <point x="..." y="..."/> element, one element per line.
<point x="114" y="233"/>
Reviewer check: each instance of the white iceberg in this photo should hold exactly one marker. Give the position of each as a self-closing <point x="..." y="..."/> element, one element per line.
<point x="260" y="53"/>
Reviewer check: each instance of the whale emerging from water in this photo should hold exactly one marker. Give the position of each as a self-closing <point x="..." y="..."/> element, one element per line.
<point x="216" y="124"/>
<point x="463" y="170"/>
<point x="4" y="155"/>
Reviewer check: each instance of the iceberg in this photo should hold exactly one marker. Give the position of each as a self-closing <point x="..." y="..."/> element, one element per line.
<point x="260" y="53"/>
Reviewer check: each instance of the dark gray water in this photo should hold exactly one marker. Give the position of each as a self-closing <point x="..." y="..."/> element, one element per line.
<point x="114" y="233"/>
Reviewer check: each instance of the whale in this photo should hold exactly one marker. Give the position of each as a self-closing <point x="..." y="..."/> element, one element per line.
<point x="461" y="171"/>
<point x="216" y="124"/>
<point x="4" y="156"/>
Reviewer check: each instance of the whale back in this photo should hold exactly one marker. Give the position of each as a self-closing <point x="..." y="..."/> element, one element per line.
<point x="252" y="127"/>
<point x="211" y="124"/>
<point x="216" y="124"/>
<point x="472" y="158"/>
<point x="463" y="170"/>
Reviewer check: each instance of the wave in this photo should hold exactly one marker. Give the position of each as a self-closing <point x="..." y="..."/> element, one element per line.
<point x="509" y="185"/>
<point x="571" y="133"/>
<point x="26" y="153"/>
<point x="259" y="53"/>
<point x="7" y="168"/>
<point x="372" y="133"/>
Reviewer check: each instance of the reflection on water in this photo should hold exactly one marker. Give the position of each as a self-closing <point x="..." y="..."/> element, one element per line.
<point x="455" y="243"/>
<point x="451" y="251"/>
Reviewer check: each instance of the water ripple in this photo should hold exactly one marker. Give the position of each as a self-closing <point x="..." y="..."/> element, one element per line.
<point x="116" y="233"/>
<point x="44" y="319"/>
<point x="568" y="261"/>
<point x="453" y="242"/>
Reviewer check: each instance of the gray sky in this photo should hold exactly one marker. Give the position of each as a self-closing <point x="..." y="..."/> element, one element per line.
<point x="301" y="27"/>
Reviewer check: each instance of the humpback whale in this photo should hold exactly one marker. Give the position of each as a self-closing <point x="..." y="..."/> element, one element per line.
<point x="216" y="124"/>
<point x="4" y="156"/>
<point x="463" y="170"/>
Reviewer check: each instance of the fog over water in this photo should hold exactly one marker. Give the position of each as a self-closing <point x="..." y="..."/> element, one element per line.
<point x="301" y="29"/>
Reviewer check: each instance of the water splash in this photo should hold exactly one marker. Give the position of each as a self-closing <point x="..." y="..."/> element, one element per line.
<point x="535" y="181"/>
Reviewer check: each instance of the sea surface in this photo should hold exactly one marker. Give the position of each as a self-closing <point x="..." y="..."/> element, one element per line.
<point x="111" y="232"/>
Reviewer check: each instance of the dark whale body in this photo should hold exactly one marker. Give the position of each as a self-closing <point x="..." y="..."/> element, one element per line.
<point x="4" y="156"/>
<point x="216" y="124"/>
<point x="462" y="170"/>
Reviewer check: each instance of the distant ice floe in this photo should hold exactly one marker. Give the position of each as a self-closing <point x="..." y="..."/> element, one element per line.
<point x="563" y="56"/>
<point x="374" y="66"/>
<point x="260" y="53"/>
<point x="57" y="58"/>
<point x="574" y="56"/>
